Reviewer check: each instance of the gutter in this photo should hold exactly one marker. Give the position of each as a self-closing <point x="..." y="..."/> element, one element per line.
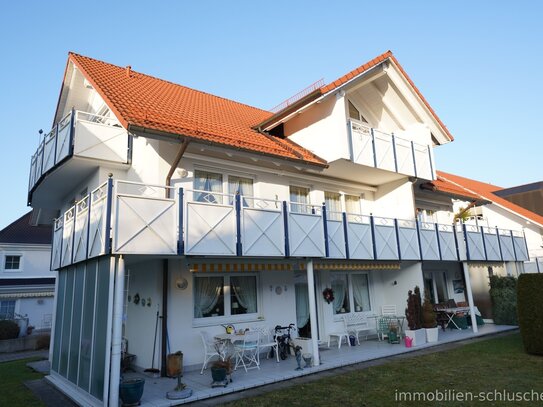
<point x="174" y="165"/>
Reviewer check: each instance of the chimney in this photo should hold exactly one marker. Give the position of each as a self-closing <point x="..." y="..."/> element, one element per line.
<point x="128" y="71"/>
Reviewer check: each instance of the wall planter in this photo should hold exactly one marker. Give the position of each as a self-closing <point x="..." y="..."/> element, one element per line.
<point x="418" y="336"/>
<point x="432" y="334"/>
<point x="131" y="391"/>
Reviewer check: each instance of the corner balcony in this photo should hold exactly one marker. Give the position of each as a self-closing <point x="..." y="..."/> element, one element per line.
<point x="72" y="145"/>
<point x="123" y="217"/>
<point x="373" y="148"/>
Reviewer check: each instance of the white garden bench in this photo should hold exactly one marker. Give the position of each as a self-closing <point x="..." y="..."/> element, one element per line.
<point x="356" y="324"/>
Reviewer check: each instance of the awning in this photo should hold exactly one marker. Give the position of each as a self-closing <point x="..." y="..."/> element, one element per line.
<point x="27" y="295"/>
<point x="353" y="265"/>
<point x="238" y="267"/>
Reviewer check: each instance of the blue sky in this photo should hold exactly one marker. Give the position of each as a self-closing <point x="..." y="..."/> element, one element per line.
<point x="477" y="63"/>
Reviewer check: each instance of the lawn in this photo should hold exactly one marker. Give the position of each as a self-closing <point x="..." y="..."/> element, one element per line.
<point x="487" y="369"/>
<point x="13" y="392"/>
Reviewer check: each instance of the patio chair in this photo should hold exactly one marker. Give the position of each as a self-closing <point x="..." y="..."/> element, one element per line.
<point x="383" y="326"/>
<point x="357" y="324"/>
<point x="340" y="335"/>
<point x="246" y="352"/>
<point x="388" y="310"/>
<point x="267" y="342"/>
<point x="211" y="348"/>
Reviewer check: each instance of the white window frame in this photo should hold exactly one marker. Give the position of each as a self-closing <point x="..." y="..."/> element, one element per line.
<point x="15" y="307"/>
<point x="337" y="317"/>
<point x="225" y="174"/>
<point x="21" y="262"/>
<point x="228" y="318"/>
<point x="305" y="207"/>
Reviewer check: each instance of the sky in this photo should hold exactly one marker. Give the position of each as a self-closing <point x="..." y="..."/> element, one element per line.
<point x="477" y="63"/>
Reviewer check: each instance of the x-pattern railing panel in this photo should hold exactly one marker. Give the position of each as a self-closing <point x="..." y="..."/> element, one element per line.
<point x="475" y="245"/>
<point x="263" y="232"/>
<point x="492" y="245"/>
<point x="67" y="237"/>
<point x="404" y="157"/>
<point x="506" y="244"/>
<point x="360" y="241"/>
<point x="447" y="245"/>
<point x="57" y="247"/>
<point x="422" y="160"/>
<point x="520" y="248"/>
<point x="385" y="241"/>
<point x="97" y="140"/>
<point x="210" y="229"/>
<point x="428" y="242"/>
<point x="409" y="243"/>
<point x="336" y="239"/>
<point x="362" y="144"/>
<point x="97" y="224"/>
<point x="305" y="235"/>
<point x="49" y="151"/>
<point x="81" y="230"/>
<point x="384" y="151"/>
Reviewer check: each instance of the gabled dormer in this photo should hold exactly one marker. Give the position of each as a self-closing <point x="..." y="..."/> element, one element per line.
<point x="373" y="117"/>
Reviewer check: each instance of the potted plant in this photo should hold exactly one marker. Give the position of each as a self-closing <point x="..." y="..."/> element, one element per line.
<point x="429" y="321"/>
<point x="221" y="372"/>
<point x="414" y="318"/>
<point x="130" y="391"/>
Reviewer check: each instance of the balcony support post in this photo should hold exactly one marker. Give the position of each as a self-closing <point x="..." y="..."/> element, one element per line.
<point x="312" y="311"/>
<point x="116" y="337"/>
<point x="285" y="222"/>
<point x="470" y="297"/>
<point x="346" y="234"/>
<point x="325" y="227"/>
<point x="239" y="250"/>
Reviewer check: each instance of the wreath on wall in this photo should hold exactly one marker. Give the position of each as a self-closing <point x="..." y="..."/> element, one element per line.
<point x="328" y="295"/>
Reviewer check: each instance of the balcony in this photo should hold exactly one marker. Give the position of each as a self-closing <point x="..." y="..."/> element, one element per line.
<point x="124" y="217"/>
<point x="373" y="148"/>
<point x="79" y="134"/>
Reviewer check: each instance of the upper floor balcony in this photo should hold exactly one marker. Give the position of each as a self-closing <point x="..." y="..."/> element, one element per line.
<point x="78" y="135"/>
<point x="373" y="148"/>
<point x="124" y="217"/>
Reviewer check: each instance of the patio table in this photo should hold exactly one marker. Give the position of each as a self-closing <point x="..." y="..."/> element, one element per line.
<point x="451" y="312"/>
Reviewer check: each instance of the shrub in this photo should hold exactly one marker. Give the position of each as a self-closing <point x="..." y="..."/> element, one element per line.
<point x="414" y="309"/>
<point x="42" y="342"/>
<point x="429" y="319"/>
<point x="503" y="294"/>
<point x="530" y="312"/>
<point x="8" y="329"/>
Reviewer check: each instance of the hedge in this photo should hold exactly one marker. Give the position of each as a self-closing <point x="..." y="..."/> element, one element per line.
<point x="530" y="312"/>
<point x="503" y="294"/>
<point x="8" y="329"/>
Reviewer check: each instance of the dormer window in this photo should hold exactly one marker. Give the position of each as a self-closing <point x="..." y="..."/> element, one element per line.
<point x="354" y="113"/>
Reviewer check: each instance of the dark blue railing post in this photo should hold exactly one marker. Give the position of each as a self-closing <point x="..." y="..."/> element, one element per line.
<point x="373" y="237"/>
<point x="394" y="152"/>
<point x="513" y="244"/>
<point x="345" y="234"/>
<point x="484" y="242"/>
<point x="325" y="229"/>
<point x="285" y="222"/>
<point x="42" y="155"/>
<point x="414" y="158"/>
<point x="239" y="251"/>
<point x="73" y="231"/>
<point x="56" y="144"/>
<point x="468" y="256"/>
<point x="456" y="242"/>
<point x="53" y="244"/>
<point x="499" y="243"/>
<point x="72" y="131"/>
<point x="61" y="241"/>
<point x="88" y="224"/>
<point x="419" y="239"/>
<point x="108" y="215"/>
<point x="526" y="244"/>
<point x="438" y="241"/>
<point x="374" y="148"/>
<point x="181" y="237"/>
<point x="397" y="229"/>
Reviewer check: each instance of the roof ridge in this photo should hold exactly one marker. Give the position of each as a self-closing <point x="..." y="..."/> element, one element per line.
<point x="170" y="82"/>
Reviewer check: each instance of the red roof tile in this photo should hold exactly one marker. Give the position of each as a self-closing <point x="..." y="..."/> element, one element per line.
<point x="442" y="185"/>
<point x="141" y="100"/>
<point x="486" y="191"/>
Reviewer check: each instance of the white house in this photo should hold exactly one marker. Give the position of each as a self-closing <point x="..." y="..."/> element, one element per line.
<point x="175" y="204"/>
<point x="27" y="284"/>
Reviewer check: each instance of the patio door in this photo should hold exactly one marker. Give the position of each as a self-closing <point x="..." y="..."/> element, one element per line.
<point x="435" y="283"/>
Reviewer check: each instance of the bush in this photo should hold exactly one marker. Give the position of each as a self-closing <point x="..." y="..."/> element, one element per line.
<point x="8" y="329"/>
<point x="42" y="342"/>
<point x="530" y="312"/>
<point x="503" y="294"/>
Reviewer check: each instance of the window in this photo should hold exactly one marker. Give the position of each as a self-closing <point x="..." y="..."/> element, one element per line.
<point x="12" y="262"/>
<point x="207" y="181"/>
<point x="354" y="113"/>
<point x="333" y="205"/>
<point x="352" y="207"/>
<point x="351" y="293"/>
<point x="242" y="186"/>
<point x="299" y="199"/>
<point x="220" y="296"/>
<point x="7" y="309"/>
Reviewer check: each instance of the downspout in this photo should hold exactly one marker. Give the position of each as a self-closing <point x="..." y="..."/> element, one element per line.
<point x="164" y="337"/>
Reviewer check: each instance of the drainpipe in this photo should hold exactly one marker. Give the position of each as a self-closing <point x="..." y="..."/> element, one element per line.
<point x="175" y="163"/>
<point x="470" y="298"/>
<point x="312" y="311"/>
<point x="117" y="336"/>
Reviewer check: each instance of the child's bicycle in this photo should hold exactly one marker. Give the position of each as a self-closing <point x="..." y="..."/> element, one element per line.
<point x="284" y="340"/>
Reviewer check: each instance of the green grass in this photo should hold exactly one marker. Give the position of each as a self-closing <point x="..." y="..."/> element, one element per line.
<point x="13" y="392"/>
<point x="498" y="364"/>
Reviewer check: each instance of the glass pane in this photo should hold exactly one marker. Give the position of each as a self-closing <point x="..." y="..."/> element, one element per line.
<point x="352" y="207"/>
<point x="85" y="352"/>
<point x="67" y="319"/>
<point x="76" y="323"/>
<point x="243" y="186"/>
<point x="299" y="195"/>
<point x="361" y="293"/>
<point x="243" y="295"/>
<point x="353" y="112"/>
<point x="208" y="297"/>
<point x="61" y="282"/>
<point x="207" y="181"/>
<point x="7" y="309"/>
<point x="333" y="205"/>
<point x="341" y="294"/>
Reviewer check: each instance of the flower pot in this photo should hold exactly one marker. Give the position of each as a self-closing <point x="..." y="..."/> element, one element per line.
<point x="131" y="391"/>
<point x="432" y="334"/>
<point x="418" y="336"/>
<point x="218" y="374"/>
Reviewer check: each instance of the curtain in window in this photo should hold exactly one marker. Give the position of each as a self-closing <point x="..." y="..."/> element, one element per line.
<point x="352" y="207"/>
<point x="361" y="292"/>
<point x="299" y="195"/>
<point x="333" y="205"/>
<point x="206" y="294"/>
<point x="242" y="186"/>
<point x="245" y="292"/>
<point x="207" y="181"/>
<point x="340" y="287"/>
<point x="302" y="305"/>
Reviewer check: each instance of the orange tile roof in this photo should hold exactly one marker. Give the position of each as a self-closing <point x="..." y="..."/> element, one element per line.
<point x="143" y="101"/>
<point x="446" y="187"/>
<point x="486" y="191"/>
<point x="376" y="61"/>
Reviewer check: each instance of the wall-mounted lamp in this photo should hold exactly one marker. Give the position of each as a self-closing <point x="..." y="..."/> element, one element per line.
<point x="394" y="282"/>
<point x="181" y="283"/>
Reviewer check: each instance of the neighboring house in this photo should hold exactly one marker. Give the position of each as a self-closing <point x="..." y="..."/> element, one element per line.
<point x="529" y="196"/>
<point x="27" y="284"/>
<point x="176" y="203"/>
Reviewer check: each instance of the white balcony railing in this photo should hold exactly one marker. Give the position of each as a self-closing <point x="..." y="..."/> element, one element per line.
<point x="125" y="217"/>
<point x="79" y="134"/>
<point x="374" y="148"/>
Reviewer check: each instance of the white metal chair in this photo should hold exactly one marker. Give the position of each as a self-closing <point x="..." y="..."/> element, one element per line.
<point x="340" y="335"/>
<point x="246" y="351"/>
<point x="389" y="310"/>
<point x="211" y="348"/>
<point x="266" y="341"/>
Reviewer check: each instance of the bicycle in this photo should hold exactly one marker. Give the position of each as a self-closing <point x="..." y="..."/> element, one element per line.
<point x="284" y="340"/>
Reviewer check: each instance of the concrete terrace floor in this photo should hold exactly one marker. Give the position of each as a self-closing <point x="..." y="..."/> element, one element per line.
<point x="273" y="372"/>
